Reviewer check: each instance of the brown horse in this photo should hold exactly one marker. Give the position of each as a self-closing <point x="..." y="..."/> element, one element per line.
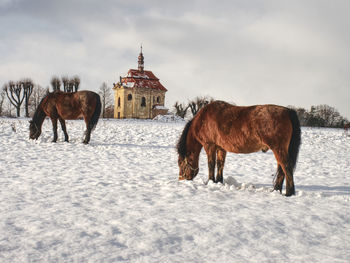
<point x="66" y="106"/>
<point x="220" y="127"/>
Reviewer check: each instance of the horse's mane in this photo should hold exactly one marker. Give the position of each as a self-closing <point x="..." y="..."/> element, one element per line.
<point x="39" y="112"/>
<point x="181" y="144"/>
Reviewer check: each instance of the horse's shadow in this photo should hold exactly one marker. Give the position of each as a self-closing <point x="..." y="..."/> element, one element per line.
<point x="326" y="190"/>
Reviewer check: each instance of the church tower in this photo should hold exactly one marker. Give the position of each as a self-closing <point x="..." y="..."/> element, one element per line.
<point x="139" y="94"/>
<point x="141" y="61"/>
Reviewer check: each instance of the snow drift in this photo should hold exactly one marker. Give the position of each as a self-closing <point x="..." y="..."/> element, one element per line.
<point x="118" y="199"/>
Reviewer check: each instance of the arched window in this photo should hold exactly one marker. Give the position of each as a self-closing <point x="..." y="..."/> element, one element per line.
<point x="119" y="102"/>
<point x="158" y="99"/>
<point x="129" y="97"/>
<point x="143" y="102"/>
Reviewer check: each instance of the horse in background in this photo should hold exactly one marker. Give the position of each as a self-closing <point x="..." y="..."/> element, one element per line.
<point x="346" y="129"/>
<point x="221" y="127"/>
<point x="63" y="106"/>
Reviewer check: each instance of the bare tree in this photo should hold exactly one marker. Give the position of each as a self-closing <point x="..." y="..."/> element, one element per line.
<point x="9" y="107"/>
<point x="181" y="109"/>
<point x="2" y="98"/>
<point x="328" y="114"/>
<point x="76" y="82"/>
<point x="27" y="85"/>
<point x="70" y="84"/>
<point x="109" y="111"/>
<point x="106" y="98"/>
<point x="65" y="82"/>
<point x="15" y="94"/>
<point x="55" y="83"/>
<point x="38" y="93"/>
<point x="198" y="103"/>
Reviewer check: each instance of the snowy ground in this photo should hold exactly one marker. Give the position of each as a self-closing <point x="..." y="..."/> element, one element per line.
<point x="118" y="199"/>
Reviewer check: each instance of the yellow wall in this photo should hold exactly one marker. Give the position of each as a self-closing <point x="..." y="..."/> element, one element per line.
<point x="132" y="108"/>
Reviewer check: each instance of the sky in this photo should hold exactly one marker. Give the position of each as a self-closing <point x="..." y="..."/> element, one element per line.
<point x="246" y="52"/>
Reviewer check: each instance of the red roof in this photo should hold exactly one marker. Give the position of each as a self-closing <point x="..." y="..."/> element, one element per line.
<point x="145" y="79"/>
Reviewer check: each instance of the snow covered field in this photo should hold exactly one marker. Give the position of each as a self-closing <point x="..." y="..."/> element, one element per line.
<point x="118" y="199"/>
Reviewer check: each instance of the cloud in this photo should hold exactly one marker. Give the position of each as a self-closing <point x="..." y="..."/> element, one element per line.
<point x="282" y="52"/>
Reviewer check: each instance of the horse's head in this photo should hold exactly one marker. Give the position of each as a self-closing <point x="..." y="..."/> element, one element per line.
<point x="188" y="168"/>
<point x="34" y="131"/>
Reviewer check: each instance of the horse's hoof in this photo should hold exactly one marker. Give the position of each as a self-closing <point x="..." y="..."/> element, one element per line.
<point x="290" y="194"/>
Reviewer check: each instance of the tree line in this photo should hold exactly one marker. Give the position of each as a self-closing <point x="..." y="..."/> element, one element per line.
<point x="24" y="93"/>
<point x="321" y="116"/>
<point x="318" y="116"/>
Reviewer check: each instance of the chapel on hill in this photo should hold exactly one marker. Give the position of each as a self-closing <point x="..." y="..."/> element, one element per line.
<point x="139" y="94"/>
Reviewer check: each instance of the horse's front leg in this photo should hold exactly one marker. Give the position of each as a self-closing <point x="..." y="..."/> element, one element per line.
<point x="87" y="136"/>
<point x="211" y="154"/>
<point x="63" y="125"/>
<point x="221" y="155"/>
<point x="54" y="127"/>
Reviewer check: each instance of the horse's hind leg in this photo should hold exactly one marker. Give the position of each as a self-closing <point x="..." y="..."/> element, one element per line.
<point x="278" y="183"/>
<point x="290" y="189"/>
<point x="54" y="127"/>
<point x="221" y="155"/>
<point x="63" y="125"/>
<point x="88" y="130"/>
<point x="282" y="160"/>
<point x="87" y="136"/>
<point x="87" y="133"/>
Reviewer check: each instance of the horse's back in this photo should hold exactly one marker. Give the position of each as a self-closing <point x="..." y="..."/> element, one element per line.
<point x="242" y="129"/>
<point x="224" y="112"/>
<point x="88" y="100"/>
<point x="73" y="105"/>
<point x="85" y="95"/>
<point x="273" y="124"/>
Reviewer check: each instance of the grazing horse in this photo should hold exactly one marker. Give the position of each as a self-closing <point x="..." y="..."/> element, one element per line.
<point x="221" y="127"/>
<point x="66" y="106"/>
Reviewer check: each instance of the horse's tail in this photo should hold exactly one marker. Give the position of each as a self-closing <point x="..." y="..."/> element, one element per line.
<point x="96" y="115"/>
<point x="295" y="141"/>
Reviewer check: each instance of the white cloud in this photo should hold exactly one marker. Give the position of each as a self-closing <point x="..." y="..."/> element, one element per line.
<point x="290" y="53"/>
